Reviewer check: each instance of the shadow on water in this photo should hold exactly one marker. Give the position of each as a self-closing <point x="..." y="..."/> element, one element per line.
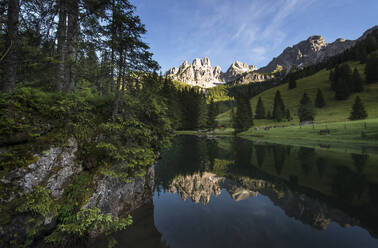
<point x="233" y="192"/>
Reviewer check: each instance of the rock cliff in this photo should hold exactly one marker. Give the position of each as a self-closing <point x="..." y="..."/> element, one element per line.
<point x="201" y="73"/>
<point x="54" y="170"/>
<point x="309" y="52"/>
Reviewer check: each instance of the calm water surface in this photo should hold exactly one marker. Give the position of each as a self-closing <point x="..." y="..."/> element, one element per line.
<point x="236" y="193"/>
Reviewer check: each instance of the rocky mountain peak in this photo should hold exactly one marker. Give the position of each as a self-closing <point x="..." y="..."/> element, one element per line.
<point x="199" y="73"/>
<point x="206" y="62"/>
<point x="308" y="52"/>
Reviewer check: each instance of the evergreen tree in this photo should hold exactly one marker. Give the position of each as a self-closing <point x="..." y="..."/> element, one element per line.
<point x="371" y="69"/>
<point x="292" y="83"/>
<point x="341" y="90"/>
<point x="10" y="60"/>
<point x="319" y="101"/>
<point x="212" y="114"/>
<point x="278" y="107"/>
<point x="260" y="110"/>
<point x="358" y="110"/>
<point x="243" y="119"/>
<point x="288" y="115"/>
<point x="357" y="81"/>
<point x="306" y="110"/>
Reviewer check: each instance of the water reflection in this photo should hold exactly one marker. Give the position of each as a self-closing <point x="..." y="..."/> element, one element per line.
<point x="234" y="193"/>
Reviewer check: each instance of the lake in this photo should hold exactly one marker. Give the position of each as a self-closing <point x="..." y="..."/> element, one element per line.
<point x="232" y="192"/>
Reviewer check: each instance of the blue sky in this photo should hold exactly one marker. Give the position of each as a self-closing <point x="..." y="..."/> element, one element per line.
<point x="252" y="31"/>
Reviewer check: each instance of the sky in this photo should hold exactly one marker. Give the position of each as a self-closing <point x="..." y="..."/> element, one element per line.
<point x="251" y="31"/>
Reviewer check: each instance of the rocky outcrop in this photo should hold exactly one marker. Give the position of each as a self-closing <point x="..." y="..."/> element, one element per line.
<point x="309" y="52"/>
<point x="253" y="77"/>
<point x="115" y="196"/>
<point x="53" y="169"/>
<point x="237" y="70"/>
<point x="201" y="73"/>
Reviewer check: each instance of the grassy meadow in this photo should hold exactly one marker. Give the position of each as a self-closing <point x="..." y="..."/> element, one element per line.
<point x="334" y="111"/>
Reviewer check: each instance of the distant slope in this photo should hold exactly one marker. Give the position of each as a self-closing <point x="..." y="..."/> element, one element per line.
<point x="333" y="111"/>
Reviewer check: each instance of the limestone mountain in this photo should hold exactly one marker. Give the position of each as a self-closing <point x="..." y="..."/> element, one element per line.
<point x="236" y="70"/>
<point x="309" y="52"/>
<point x="201" y="73"/>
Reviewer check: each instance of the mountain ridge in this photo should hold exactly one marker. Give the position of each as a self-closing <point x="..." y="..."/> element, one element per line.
<point x="305" y="53"/>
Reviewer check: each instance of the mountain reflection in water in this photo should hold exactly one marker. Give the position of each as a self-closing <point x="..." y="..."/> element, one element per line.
<point x="234" y="193"/>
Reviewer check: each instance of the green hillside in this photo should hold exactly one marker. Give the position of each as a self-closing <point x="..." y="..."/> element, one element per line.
<point x="334" y="111"/>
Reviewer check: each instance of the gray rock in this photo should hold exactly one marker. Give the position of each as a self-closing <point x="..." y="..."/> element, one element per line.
<point x="53" y="169"/>
<point x="113" y="195"/>
<point x="202" y="74"/>
<point x="311" y="51"/>
<point x="237" y="70"/>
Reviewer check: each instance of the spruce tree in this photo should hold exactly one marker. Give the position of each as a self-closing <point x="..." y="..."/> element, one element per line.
<point x="260" y="110"/>
<point x="358" y="110"/>
<point x="357" y="81"/>
<point x="341" y="90"/>
<point x="278" y="107"/>
<point x="371" y="69"/>
<point x="212" y="114"/>
<point x="319" y="101"/>
<point x="292" y="83"/>
<point x="243" y="118"/>
<point x="306" y="110"/>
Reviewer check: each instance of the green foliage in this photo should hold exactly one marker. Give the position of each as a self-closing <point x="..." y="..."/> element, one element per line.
<point x="83" y="223"/>
<point x="39" y="202"/>
<point x="212" y="114"/>
<point x="243" y="119"/>
<point x="358" y="83"/>
<point x="278" y="107"/>
<point x="260" y="110"/>
<point x="319" y="101"/>
<point x="342" y="81"/>
<point x="306" y="110"/>
<point x="358" y="111"/>
<point x="292" y="83"/>
<point x="371" y="70"/>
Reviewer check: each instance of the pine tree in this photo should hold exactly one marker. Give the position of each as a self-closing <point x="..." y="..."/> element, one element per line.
<point x="371" y="69"/>
<point x="10" y="60"/>
<point x="212" y="113"/>
<point x="260" y="110"/>
<point x="358" y="110"/>
<point x="306" y="110"/>
<point x="319" y="101"/>
<point x="292" y="83"/>
<point x="357" y="81"/>
<point x="243" y="118"/>
<point x="341" y="90"/>
<point x="278" y="107"/>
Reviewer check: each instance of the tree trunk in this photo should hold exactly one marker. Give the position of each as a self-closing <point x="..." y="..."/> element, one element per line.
<point x="10" y="60"/>
<point x="72" y="34"/>
<point x="112" y="46"/>
<point x="62" y="35"/>
<point x="118" y="86"/>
